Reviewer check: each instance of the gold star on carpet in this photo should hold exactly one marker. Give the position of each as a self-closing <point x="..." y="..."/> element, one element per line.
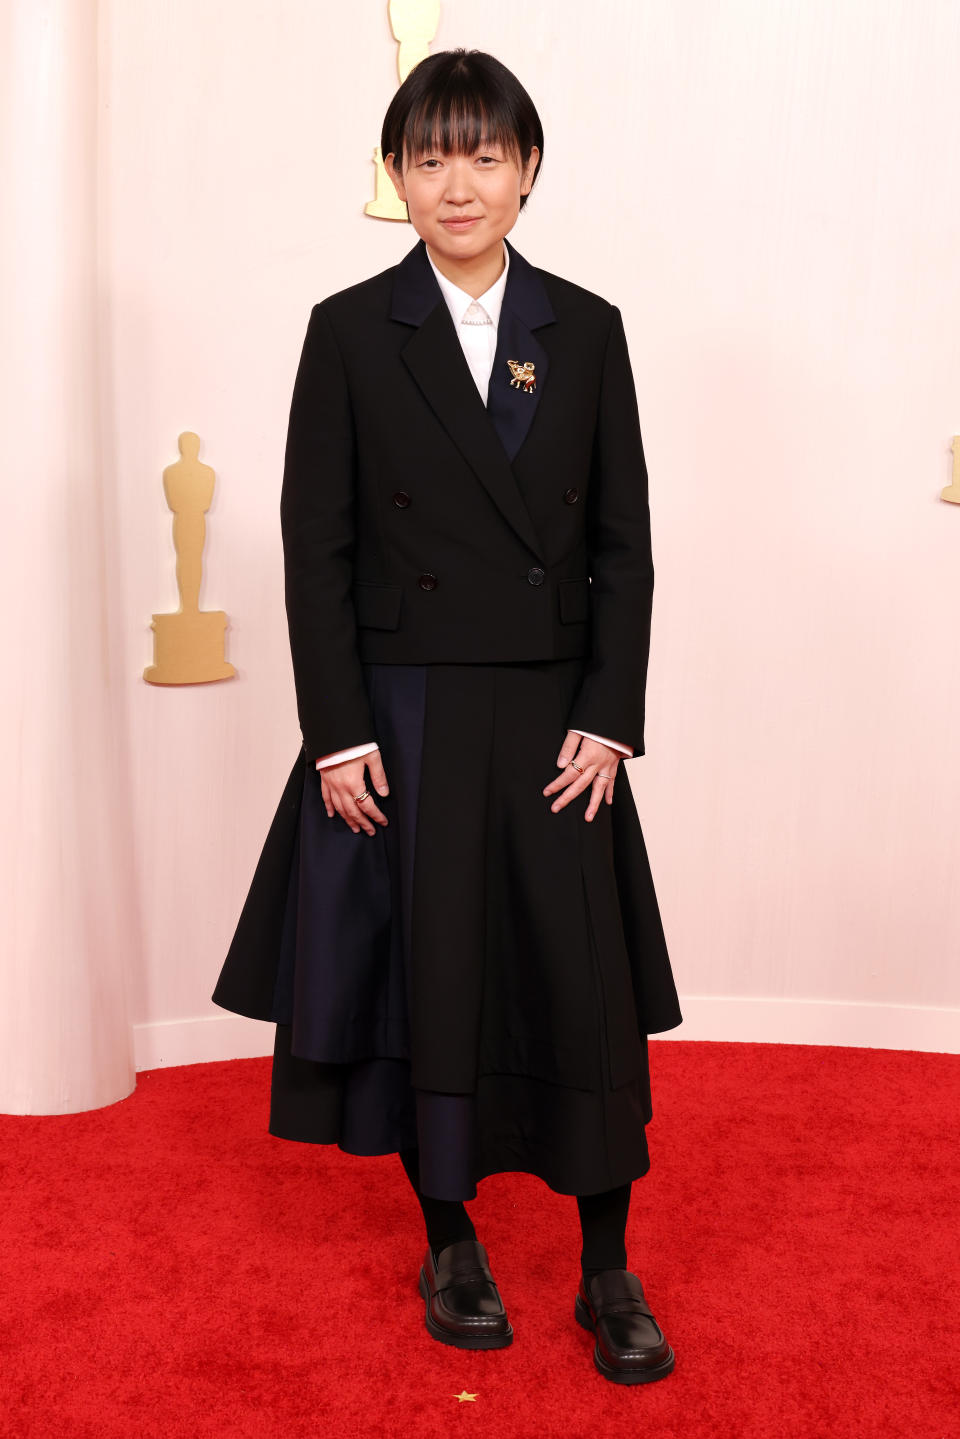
<point x="463" y="1395"/>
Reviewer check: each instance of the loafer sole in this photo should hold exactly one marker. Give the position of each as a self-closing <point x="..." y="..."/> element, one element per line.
<point x="636" y="1375"/>
<point x="461" y="1341"/>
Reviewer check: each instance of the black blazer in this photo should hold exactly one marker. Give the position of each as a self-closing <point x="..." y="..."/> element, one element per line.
<point x="420" y="526"/>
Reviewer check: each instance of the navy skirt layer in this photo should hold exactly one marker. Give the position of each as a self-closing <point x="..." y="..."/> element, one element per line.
<point x="466" y="892"/>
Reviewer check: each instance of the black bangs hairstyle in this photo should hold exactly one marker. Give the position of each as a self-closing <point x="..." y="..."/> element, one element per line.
<point x="456" y="101"/>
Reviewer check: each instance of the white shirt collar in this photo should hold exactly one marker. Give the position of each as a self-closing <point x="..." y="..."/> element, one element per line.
<point x="458" y="301"/>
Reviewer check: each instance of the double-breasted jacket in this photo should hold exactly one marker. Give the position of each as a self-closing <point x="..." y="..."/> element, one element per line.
<point x="420" y="526"/>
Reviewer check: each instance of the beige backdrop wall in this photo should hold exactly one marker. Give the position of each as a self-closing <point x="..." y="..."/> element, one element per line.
<point x="768" y="193"/>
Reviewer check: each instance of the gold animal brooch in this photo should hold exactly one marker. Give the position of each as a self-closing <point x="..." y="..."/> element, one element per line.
<point x="523" y="377"/>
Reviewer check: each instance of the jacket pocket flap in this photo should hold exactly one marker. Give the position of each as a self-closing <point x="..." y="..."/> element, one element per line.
<point x="377" y="606"/>
<point x="574" y="601"/>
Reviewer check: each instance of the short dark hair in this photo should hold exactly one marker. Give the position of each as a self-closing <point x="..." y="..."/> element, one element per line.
<point x="455" y="101"/>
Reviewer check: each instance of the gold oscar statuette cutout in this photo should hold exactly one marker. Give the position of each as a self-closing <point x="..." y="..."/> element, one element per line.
<point x="414" y="24"/>
<point x="951" y="492"/>
<point x="188" y="645"/>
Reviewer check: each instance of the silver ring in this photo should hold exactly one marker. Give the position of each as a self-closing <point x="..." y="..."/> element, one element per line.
<point x="359" y="797"/>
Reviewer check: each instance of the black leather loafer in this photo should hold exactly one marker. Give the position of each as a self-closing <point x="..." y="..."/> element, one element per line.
<point x="630" y="1347"/>
<point x="463" y="1304"/>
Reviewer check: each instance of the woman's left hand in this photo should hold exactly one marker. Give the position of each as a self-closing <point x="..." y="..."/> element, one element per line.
<point x="599" y="765"/>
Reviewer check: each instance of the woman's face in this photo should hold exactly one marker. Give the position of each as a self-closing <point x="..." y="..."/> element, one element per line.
<point x="462" y="205"/>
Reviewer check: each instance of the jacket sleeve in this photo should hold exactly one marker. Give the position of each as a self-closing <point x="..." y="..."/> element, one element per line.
<point x="611" y="696"/>
<point x="317" y="520"/>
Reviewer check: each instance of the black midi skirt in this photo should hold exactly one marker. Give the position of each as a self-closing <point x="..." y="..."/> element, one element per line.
<point x="479" y="976"/>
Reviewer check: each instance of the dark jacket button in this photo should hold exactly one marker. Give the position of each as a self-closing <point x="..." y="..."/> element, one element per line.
<point x="427" y="582"/>
<point x="401" y="499"/>
<point x="572" y="495"/>
<point x="535" y="576"/>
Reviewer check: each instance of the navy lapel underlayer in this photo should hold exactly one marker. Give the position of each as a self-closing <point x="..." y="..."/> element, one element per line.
<point x="488" y="436"/>
<point x="526" y="306"/>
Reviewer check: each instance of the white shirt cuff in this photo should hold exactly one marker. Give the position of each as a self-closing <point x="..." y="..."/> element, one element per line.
<point x="626" y="749"/>
<point x="338" y="756"/>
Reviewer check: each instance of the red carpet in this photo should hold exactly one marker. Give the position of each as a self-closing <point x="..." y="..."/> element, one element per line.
<point x="169" y="1269"/>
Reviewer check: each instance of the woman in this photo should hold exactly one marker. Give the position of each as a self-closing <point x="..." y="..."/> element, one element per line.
<point x="453" y="922"/>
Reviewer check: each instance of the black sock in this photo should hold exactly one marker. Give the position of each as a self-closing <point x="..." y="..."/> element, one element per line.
<point x="446" y="1219"/>
<point x="603" y="1223"/>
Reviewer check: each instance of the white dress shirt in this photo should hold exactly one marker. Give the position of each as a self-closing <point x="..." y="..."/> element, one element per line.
<point x="476" y="322"/>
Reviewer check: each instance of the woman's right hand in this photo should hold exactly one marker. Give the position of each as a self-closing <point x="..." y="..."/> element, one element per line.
<point x="341" y="783"/>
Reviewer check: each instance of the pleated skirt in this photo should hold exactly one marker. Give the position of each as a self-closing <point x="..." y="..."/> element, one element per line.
<point x="440" y="982"/>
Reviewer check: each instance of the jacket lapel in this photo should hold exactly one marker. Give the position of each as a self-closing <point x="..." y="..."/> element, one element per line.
<point x="489" y="437"/>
